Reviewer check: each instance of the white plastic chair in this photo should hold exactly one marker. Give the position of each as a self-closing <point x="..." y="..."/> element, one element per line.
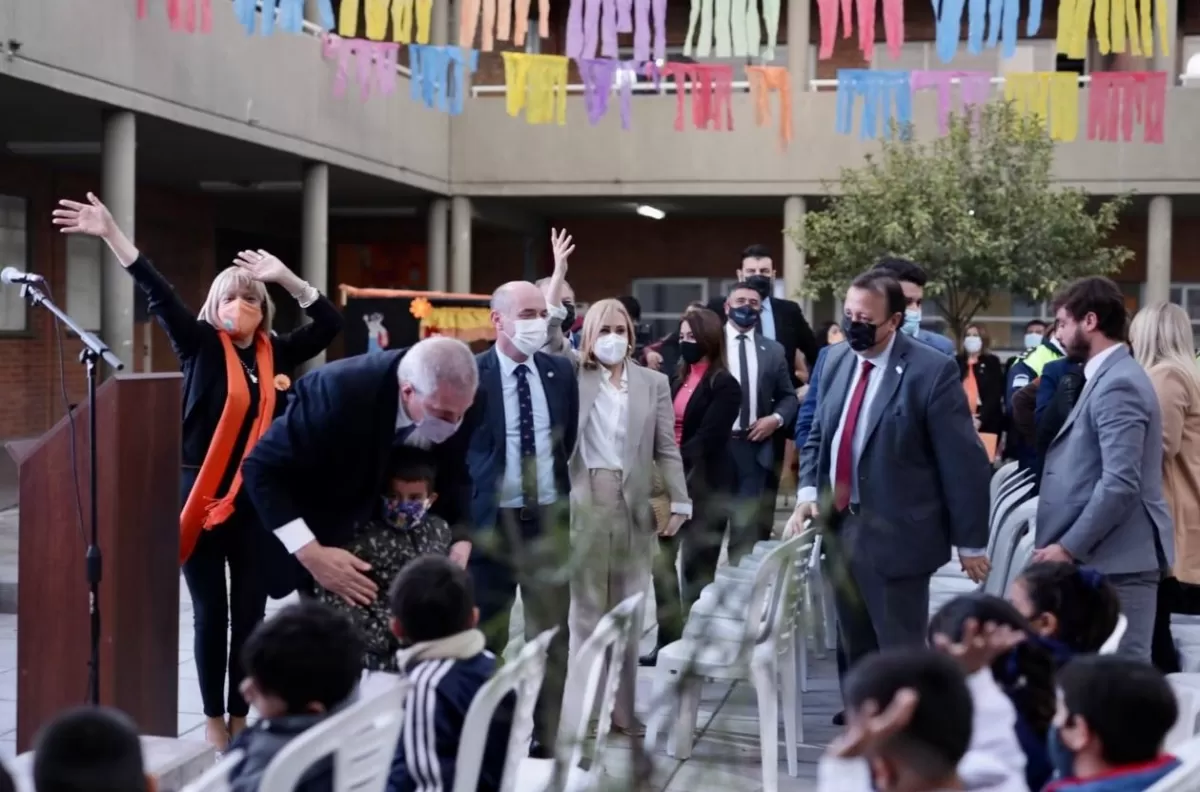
<point x="606" y="646"/>
<point x="1009" y="502"/>
<point x="361" y="739"/>
<point x="216" y="778"/>
<point x="1013" y="484"/>
<point x="999" y="477"/>
<point x="764" y="640"/>
<point x="1185" y="778"/>
<point x="1113" y="641"/>
<point x="1007" y="538"/>
<point x="1187" y="697"/>
<point x="1020" y="559"/>
<point x="524" y="677"/>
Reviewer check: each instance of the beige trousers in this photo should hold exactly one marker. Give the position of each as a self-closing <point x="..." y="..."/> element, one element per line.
<point x="614" y="563"/>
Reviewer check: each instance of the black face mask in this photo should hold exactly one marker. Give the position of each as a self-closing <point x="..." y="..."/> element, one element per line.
<point x="569" y="319"/>
<point x="744" y="316"/>
<point x="690" y="352"/>
<point x="761" y="284"/>
<point x="860" y="335"/>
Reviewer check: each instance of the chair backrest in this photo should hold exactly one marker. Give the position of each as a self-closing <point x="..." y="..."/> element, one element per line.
<point x="216" y="778"/>
<point x="1009" y="501"/>
<point x="774" y="596"/>
<point x="1007" y="538"/>
<point x="1113" y="641"/>
<point x="1020" y="559"/>
<point x="361" y="739"/>
<point x="999" y="477"/>
<point x="522" y="677"/>
<point x="1013" y="481"/>
<point x="609" y="642"/>
<point x="1185" y="778"/>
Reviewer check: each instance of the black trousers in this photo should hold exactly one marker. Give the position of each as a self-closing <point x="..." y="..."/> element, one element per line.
<point x="699" y="540"/>
<point x="1173" y="597"/>
<point x="530" y="548"/>
<point x="216" y="611"/>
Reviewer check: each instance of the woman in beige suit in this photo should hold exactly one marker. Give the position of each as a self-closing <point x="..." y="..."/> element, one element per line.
<point x="626" y="428"/>
<point x="1161" y="337"/>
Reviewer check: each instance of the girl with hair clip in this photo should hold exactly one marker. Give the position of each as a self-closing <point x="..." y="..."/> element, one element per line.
<point x="1072" y="606"/>
<point x="232" y="387"/>
<point x="1025" y="673"/>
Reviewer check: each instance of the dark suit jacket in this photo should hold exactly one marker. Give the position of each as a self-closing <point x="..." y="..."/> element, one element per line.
<point x="486" y="454"/>
<point x="709" y="413"/>
<point x="791" y="331"/>
<point x="989" y="379"/>
<point x="326" y="458"/>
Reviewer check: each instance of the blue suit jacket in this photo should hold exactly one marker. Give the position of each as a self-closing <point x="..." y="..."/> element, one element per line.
<point x="1051" y="374"/>
<point x="486" y="452"/>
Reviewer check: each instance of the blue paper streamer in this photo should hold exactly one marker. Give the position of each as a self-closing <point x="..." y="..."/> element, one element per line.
<point x="244" y="11"/>
<point x="291" y="15"/>
<point x="325" y="10"/>
<point x="439" y="75"/>
<point x="887" y="95"/>
<point x="995" y="19"/>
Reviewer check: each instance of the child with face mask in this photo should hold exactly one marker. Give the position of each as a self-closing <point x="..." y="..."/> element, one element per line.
<point x="400" y="530"/>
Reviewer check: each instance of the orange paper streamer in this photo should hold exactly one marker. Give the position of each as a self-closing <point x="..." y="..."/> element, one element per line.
<point x="500" y="18"/>
<point x="764" y="80"/>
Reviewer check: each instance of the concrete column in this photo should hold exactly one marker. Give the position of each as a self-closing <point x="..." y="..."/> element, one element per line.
<point x="460" y="244"/>
<point x="439" y="33"/>
<point x="1158" y="250"/>
<point x="437" y="245"/>
<point x="314" y="234"/>
<point x="1168" y="63"/>
<point x="793" y="257"/>
<point x="799" y="14"/>
<point x="119" y="192"/>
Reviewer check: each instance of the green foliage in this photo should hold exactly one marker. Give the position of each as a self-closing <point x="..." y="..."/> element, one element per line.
<point x="976" y="208"/>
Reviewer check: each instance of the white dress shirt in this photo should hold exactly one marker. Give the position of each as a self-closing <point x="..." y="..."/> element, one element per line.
<point x="766" y="320"/>
<point x="604" y="434"/>
<point x="733" y="359"/>
<point x="1092" y="366"/>
<point x="511" y="496"/>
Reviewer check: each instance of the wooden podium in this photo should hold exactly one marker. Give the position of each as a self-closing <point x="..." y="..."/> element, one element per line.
<point x="138" y="453"/>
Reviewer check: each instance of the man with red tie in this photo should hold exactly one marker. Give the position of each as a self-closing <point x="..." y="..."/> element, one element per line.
<point x="894" y="445"/>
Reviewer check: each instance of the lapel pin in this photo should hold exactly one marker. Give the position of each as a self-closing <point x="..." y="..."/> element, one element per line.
<point x="899" y="369"/>
<point x="549" y="375"/>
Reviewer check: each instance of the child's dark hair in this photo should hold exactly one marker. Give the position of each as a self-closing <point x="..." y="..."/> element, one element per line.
<point x="1127" y="704"/>
<point x="412" y="464"/>
<point x="91" y="749"/>
<point x="307" y="653"/>
<point x="1026" y="673"/>
<point x="1083" y="602"/>
<point x="432" y="598"/>
<point x="937" y="737"/>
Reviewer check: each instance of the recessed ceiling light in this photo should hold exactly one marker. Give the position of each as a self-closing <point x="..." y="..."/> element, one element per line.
<point x="651" y="212"/>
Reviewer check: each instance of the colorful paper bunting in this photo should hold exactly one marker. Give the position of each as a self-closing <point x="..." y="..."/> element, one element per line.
<point x="375" y="64"/>
<point x="593" y="25"/>
<point x="712" y="92"/>
<point x="290" y="15"/>
<point x="601" y="76"/>
<point x="1001" y="18"/>
<point x="893" y="24"/>
<point x="1051" y="96"/>
<point x="765" y="80"/>
<point x="439" y="75"/>
<point x="1113" y="18"/>
<point x="886" y="93"/>
<point x="496" y="27"/>
<point x="377" y="13"/>
<point x="974" y="88"/>
<point x="536" y="84"/>
<point x="736" y="26"/>
<point x="1117" y="100"/>
<point x="183" y="14"/>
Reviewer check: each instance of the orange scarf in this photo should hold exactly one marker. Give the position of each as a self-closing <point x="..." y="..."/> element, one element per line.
<point x="203" y="511"/>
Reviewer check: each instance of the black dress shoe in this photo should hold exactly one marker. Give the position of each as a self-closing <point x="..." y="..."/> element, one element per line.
<point x="649" y="660"/>
<point x="840" y="719"/>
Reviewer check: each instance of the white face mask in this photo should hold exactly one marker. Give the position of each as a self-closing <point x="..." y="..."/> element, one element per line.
<point x="610" y="349"/>
<point x="972" y="344"/>
<point x="1033" y="340"/>
<point x="434" y="430"/>
<point x="529" y="335"/>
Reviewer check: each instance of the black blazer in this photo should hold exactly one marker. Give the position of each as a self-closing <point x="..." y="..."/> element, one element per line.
<point x="202" y="359"/>
<point x="791" y="331"/>
<point x="486" y="454"/>
<point x="704" y="446"/>
<point x="325" y="460"/>
<point x="989" y="379"/>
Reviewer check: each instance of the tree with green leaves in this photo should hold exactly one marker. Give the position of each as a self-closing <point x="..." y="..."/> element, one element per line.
<point x="976" y="208"/>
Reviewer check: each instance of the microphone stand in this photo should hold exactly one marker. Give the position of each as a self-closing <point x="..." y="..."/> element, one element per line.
<point x="94" y="350"/>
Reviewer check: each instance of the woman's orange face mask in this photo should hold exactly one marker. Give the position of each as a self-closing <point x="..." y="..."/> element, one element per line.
<point x="239" y="317"/>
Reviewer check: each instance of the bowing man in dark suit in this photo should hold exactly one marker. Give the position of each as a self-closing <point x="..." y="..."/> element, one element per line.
<point x="524" y="422"/>
<point x="320" y="467"/>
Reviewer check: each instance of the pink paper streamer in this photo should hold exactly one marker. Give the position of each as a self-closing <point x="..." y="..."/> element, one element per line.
<point x="182" y="14"/>
<point x="893" y="25"/>
<point x="141" y="9"/>
<point x="712" y="92"/>
<point x="1118" y="100"/>
<point x="375" y="64"/>
<point x="974" y="89"/>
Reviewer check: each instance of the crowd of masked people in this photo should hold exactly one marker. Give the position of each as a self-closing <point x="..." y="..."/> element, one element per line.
<point x="409" y="494"/>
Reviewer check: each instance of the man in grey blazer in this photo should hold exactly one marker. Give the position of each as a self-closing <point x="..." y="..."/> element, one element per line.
<point x="769" y="403"/>
<point x="1101" y="501"/>
<point x="893" y="442"/>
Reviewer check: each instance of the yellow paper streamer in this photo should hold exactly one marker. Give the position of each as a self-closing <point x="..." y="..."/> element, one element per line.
<point x="465" y="324"/>
<point x="1114" y="19"/>
<point x="377" y="12"/>
<point x="1051" y="96"/>
<point x="536" y="84"/>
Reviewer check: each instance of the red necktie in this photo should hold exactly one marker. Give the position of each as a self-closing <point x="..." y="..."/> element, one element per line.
<point x="845" y="453"/>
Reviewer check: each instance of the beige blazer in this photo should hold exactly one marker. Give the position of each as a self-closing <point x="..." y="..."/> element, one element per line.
<point x="1180" y="408"/>
<point x="649" y="439"/>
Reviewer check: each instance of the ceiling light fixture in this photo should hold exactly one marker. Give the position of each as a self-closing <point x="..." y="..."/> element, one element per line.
<point x="651" y="212"/>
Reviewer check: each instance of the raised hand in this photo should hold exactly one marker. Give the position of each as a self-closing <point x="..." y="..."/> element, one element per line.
<point x="562" y="246"/>
<point x="980" y="645"/>
<point x="262" y="266"/>
<point x="869" y="728"/>
<point x="91" y="218"/>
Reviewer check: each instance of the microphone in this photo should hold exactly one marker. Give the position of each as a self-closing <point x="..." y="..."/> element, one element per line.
<point x="12" y="276"/>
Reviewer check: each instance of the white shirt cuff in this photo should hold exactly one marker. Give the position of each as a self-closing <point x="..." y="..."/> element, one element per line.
<point x="778" y="417"/>
<point x="843" y="775"/>
<point x="307" y="296"/>
<point x="684" y="509"/>
<point x="970" y="552"/>
<point x="295" y="535"/>
<point x="806" y="495"/>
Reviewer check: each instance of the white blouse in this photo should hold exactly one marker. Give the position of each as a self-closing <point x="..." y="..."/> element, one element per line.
<point x="604" y="435"/>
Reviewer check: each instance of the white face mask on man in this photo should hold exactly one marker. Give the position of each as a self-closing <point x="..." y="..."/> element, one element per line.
<point x="610" y="349"/>
<point x="529" y="335"/>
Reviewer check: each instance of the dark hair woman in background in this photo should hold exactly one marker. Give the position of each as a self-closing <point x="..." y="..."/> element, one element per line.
<point x="983" y="379"/>
<point x="229" y="359"/>
<point x="707" y="399"/>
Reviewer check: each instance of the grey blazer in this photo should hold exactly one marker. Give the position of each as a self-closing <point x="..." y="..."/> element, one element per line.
<point x="923" y="473"/>
<point x="1101" y="495"/>
<point x="776" y="393"/>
